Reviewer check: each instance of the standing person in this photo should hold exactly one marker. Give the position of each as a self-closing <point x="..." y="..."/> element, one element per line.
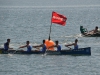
<point x="6" y="45"/>
<point x="57" y="46"/>
<point x="29" y="47"/>
<point x="75" y="44"/>
<point x="43" y="47"/>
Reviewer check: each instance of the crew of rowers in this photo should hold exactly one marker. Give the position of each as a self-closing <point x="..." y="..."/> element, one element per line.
<point x="85" y="32"/>
<point x="43" y="45"/>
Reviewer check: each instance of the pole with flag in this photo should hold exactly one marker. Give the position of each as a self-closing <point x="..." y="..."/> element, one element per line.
<point x="57" y="19"/>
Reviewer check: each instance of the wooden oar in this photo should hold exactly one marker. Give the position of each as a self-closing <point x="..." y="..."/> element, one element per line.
<point x="16" y="50"/>
<point x="68" y="47"/>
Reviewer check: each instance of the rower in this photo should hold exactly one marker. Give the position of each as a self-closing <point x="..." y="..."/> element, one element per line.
<point x="57" y="46"/>
<point x="75" y="44"/>
<point x="29" y="47"/>
<point x="43" y="47"/>
<point x="96" y="29"/>
<point x="6" y="45"/>
<point x="93" y="31"/>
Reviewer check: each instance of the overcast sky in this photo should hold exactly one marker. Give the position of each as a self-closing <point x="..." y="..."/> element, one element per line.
<point x="48" y="2"/>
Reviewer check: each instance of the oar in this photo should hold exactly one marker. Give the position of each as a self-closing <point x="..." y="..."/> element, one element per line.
<point x="68" y="47"/>
<point x="16" y="50"/>
<point x="36" y="47"/>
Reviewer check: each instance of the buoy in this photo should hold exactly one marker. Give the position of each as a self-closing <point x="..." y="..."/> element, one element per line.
<point x="49" y="43"/>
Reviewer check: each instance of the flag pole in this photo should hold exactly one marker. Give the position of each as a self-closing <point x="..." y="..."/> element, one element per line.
<point x="58" y="19"/>
<point x="50" y="31"/>
<point x="50" y="27"/>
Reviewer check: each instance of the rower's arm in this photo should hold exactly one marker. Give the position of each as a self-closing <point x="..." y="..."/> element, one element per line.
<point x="9" y="47"/>
<point x="37" y="46"/>
<point x="69" y="45"/>
<point x="52" y="46"/>
<point x="23" y="46"/>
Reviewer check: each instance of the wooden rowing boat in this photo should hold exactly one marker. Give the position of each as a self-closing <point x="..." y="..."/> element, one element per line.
<point x="80" y="51"/>
<point x="19" y="52"/>
<point x="85" y="32"/>
<point x="91" y="35"/>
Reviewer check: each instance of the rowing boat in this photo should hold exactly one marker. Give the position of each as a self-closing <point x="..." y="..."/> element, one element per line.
<point x="80" y="51"/>
<point x="91" y="35"/>
<point x="85" y="32"/>
<point x="19" y="52"/>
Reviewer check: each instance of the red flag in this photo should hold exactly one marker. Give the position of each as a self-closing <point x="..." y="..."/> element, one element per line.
<point x="58" y="18"/>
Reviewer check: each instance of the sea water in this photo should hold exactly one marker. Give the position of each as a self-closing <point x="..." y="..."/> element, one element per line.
<point x="33" y="23"/>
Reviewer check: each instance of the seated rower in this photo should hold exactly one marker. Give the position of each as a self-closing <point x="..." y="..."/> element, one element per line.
<point x="29" y="47"/>
<point x="43" y="47"/>
<point x="6" y="45"/>
<point x="75" y="44"/>
<point x="94" y="31"/>
<point x="57" y="46"/>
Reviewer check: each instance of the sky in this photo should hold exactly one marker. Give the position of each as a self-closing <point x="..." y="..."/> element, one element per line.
<point x="48" y="2"/>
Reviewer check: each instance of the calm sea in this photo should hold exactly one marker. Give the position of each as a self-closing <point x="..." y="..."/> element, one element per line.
<point x="33" y="23"/>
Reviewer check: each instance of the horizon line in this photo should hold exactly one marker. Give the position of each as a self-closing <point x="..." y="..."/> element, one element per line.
<point x="53" y="6"/>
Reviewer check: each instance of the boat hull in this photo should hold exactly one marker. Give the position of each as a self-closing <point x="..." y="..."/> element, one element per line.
<point x="80" y="51"/>
<point x="91" y="35"/>
<point x="19" y="52"/>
